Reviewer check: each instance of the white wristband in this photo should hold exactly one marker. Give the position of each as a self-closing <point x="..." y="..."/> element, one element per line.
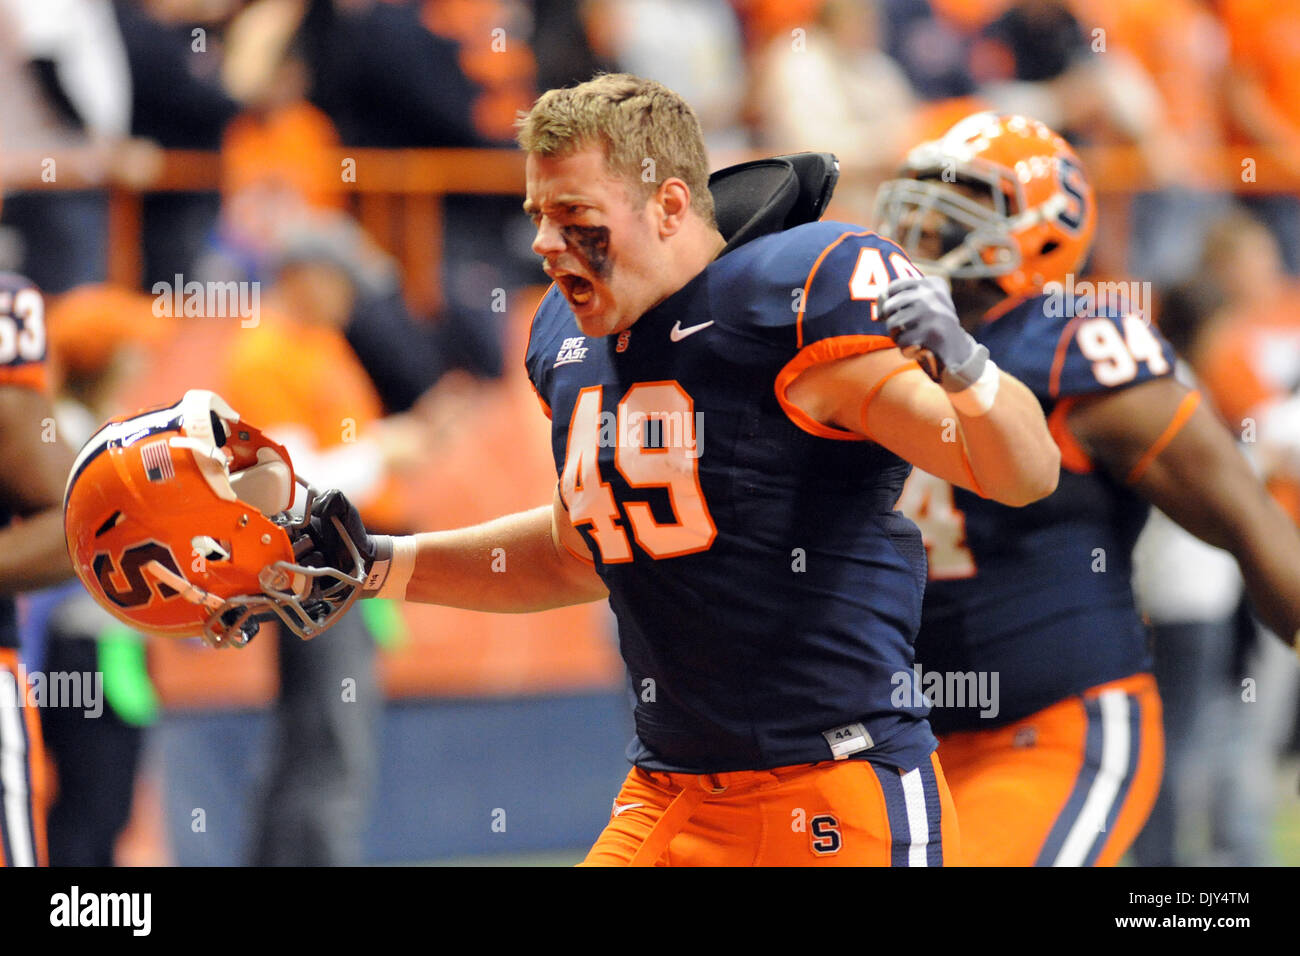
<point x="977" y="399"/>
<point x="403" y="566"/>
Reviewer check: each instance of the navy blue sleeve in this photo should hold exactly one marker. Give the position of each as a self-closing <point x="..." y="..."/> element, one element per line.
<point x="822" y="283"/>
<point x="841" y="291"/>
<point x="551" y="314"/>
<point x="1060" y="356"/>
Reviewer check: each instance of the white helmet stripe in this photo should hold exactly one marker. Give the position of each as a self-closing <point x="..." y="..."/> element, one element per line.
<point x="124" y="433"/>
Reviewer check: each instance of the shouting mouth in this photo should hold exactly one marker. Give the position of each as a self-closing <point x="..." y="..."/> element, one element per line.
<point x="576" y="289"/>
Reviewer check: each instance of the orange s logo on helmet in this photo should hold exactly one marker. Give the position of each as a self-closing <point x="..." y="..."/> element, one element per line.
<point x="177" y="523"/>
<point x="997" y="197"/>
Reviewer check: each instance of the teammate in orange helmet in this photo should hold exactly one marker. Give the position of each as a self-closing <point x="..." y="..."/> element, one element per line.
<point x="1030" y="646"/>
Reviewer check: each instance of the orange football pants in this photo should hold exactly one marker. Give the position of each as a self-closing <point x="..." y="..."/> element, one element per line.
<point x="836" y="813"/>
<point x="22" y="770"/>
<point x="1071" y="785"/>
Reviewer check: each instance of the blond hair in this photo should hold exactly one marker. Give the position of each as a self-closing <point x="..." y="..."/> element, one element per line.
<point x="633" y="120"/>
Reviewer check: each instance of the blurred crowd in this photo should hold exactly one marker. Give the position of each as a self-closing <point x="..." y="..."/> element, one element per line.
<point x="1198" y="99"/>
<point x="1194" y="88"/>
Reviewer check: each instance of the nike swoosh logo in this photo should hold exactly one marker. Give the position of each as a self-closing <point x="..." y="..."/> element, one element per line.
<point x="627" y="806"/>
<point x="677" y="333"/>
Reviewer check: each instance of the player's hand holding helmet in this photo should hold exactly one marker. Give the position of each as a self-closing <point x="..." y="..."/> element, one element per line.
<point x="922" y="320"/>
<point x="339" y="540"/>
<point x="178" y="523"/>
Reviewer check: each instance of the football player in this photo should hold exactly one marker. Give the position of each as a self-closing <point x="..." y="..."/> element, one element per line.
<point x="1063" y="767"/>
<point x="32" y="553"/>
<point x="740" y="522"/>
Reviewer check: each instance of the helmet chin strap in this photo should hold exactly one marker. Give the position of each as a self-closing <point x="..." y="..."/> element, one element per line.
<point x="233" y="635"/>
<point x="190" y="592"/>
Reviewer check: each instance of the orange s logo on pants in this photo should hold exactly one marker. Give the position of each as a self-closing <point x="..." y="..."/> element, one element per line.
<point x="845" y="813"/>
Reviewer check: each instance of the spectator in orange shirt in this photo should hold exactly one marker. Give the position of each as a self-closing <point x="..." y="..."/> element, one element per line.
<point x="295" y="375"/>
<point x="1247" y="357"/>
<point x="1183" y="48"/>
<point x="278" y="156"/>
<point x="1264" y="105"/>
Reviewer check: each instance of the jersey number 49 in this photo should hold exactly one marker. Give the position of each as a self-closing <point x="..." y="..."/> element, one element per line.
<point x="671" y="462"/>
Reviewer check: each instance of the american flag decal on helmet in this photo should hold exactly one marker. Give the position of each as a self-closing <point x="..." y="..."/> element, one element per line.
<point x="157" y="458"/>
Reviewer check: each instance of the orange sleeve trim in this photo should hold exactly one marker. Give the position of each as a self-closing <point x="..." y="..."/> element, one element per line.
<point x="812" y="273"/>
<point x="825" y="350"/>
<point x="1073" y="457"/>
<point x="875" y="389"/>
<point x="33" y="376"/>
<point x="531" y="320"/>
<point x="1058" y="360"/>
<point x="541" y="401"/>
<point x="1003" y="307"/>
<point x="584" y="558"/>
<point x="1185" y="409"/>
<point x="970" y="472"/>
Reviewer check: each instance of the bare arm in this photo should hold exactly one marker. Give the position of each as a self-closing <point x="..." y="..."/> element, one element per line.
<point x="1203" y="482"/>
<point x="32" y="549"/>
<point x="1006" y="454"/>
<point x="544" y="563"/>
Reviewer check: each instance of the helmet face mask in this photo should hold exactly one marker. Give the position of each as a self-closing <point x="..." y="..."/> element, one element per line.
<point x="1007" y="198"/>
<point x="973" y="238"/>
<point x="178" y="523"/>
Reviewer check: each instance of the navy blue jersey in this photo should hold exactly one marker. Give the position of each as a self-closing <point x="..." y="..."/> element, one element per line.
<point x="22" y="365"/>
<point x="1039" y="595"/>
<point x="767" y="593"/>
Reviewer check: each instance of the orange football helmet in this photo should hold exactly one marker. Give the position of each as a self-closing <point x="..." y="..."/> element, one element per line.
<point x="1032" y="223"/>
<point x="178" y="523"/>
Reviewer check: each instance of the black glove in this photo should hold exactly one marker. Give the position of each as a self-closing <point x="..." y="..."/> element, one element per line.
<point x="333" y="524"/>
<point x="922" y="320"/>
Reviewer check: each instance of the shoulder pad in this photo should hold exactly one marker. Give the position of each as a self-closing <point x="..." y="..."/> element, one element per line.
<point x="1058" y="352"/>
